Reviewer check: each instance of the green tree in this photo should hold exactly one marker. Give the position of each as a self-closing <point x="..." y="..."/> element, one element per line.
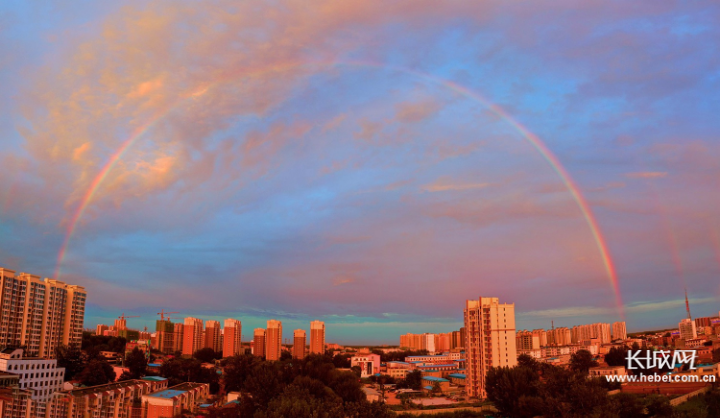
<point x="525" y="360"/>
<point x="436" y="389"/>
<point x="628" y="405"/>
<point x="506" y="387"/>
<point x="412" y="380"/>
<point x="617" y="357"/>
<point x="658" y="406"/>
<point x="264" y="383"/>
<point x="70" y="358"/>
<point x="236" y="370"/>
<point x="96" y="373"/>
<point x="206" y="355"/>
<point x="582" y="361"/>
<point x="136" y="363"/>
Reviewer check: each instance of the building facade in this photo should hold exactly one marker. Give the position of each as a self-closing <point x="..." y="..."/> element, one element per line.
<point x="317" y="337"/>
<point x="39" y="315"/>
<point x="192" y="336"/>
<point x="212" y="335"/>
<point x="39" y="379"/>
<point x="299" y="340"/>
<point x="259" y="342"/>
<point x="232" y="338"/>
<point x="687" y="329"/>
<point x="273" y="340"/>
<point x="490" y="341"/>
<point x="619" y="331"/>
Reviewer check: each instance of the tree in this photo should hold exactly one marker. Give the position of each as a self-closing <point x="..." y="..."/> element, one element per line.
<point x="617" y="357"/>
<point x="412" y="380"/>
<point x="628" y="405"/>
<point x="70" y="358"/>
<point x="525" y="360"/>
<point x="206" y="355"/>
<point x="658" y="406"/>
<point x="96" y="373"/>
<point x="436" y="389"/>
<point x="582" y="361"/>
<point x="507" y="387"/>
<point x="716" y="355"/>
<point x="236" y="370"/>
<point x="136" y="363"/>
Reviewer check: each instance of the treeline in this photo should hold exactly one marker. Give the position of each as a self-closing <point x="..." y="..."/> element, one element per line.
<point x="95" y="343"/>
<point x="311" y="387"/>
<point x="90" y="369"/>
<point x="538" y="389"/>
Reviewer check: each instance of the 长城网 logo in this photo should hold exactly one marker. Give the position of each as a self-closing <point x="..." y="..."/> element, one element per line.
<point x="645" y="360"/>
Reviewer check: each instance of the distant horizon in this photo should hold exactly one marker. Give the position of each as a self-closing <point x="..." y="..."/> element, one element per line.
<point x="372" y="170"/>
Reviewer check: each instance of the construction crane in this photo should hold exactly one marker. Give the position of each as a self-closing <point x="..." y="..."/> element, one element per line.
<point x="123" y="317"/>
<point x="162" y="314"/>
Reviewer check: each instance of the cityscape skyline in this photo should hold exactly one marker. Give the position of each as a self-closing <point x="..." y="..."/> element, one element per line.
<point x="562" y="159"/>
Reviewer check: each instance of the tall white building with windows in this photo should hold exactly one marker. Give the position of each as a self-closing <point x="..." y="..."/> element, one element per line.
<point x="619" y="331"/>
<point x="40" y="377"/>
<point x="687" y="329"/>
<point x="39" y="314"/>
<point x="489" y="341"/>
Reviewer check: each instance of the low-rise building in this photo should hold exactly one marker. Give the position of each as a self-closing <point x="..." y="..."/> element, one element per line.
<point x="604" y="371"/>
<point x="40" y="377"/>
<point x="169" y="402"/>
<point x="369" y="364"/>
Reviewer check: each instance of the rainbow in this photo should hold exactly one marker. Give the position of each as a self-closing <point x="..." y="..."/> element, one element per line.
<point x="534" y="140"/>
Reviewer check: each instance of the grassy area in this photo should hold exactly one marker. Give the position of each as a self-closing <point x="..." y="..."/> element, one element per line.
<point x="702" y="406"/>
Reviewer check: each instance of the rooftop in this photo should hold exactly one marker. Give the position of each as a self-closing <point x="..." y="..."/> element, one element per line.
<point x="457" y="375"/>
<point x="167" y="394"/>
<point x="438" y="379"/>
<point x="153" y="378"/>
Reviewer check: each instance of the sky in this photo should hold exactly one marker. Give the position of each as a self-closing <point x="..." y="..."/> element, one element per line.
<point x="369" y="164"/>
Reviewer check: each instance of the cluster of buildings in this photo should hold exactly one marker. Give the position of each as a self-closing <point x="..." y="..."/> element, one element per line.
<point x="39" y="314"/>
<point x="434" y="342"/>
<point x="268" y="342"/>
<point x="37" y="390"/>
<point x="595" y="338"/>
<point x="194" y="334"/>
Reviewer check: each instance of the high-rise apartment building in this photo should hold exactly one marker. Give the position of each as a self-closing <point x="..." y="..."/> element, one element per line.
<point x="120" y="324"/>
<point x="587" y="332"/>
<point x="212" y="335"/>
<point x="273" y="340"/>
<point x="299" y="339"/>
<point x="165" y="336"/>
<point x="232" y="338"/>
<point x="559" y="336"/>
<point x="490" y="341"/>
<point x="317" y="337"/>
<point x="259" y="342"/>
<point x="442" y="342"/>
<point x="428" y="343"/>
<point x="192" y="336"/>
<point x="619" y="331"/>
<point x="542" y="337"/>
<point x="179" y="337"/>
<point x="526" y="341"/>
<point x="39" y="314"/>
<point x="100" y="329"/>
<point x="687" y="329"/>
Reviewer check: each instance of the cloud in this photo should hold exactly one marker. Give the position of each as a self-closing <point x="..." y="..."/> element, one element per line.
<point x="417" y="111"/>
<point x="646" y="175"/>
<point x="438" y="186"/>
